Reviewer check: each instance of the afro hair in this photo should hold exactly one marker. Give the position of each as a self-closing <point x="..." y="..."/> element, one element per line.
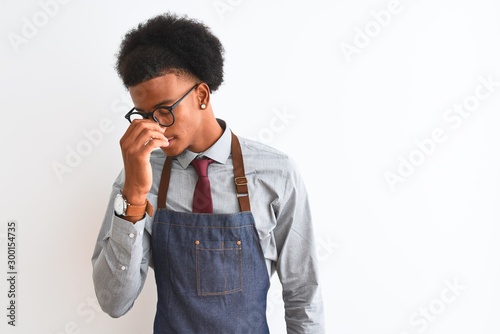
<point x="168" y="43"/>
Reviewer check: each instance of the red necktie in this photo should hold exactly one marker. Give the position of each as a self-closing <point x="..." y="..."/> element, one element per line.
<point x="202" y="198"/>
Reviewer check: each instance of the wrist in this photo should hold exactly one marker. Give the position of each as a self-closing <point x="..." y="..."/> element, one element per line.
<point x="134" y="197"/>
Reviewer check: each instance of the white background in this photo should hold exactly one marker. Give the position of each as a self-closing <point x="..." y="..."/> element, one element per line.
<point x="388" y="254"/>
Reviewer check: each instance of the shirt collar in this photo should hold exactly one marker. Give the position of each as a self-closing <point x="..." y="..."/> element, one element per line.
<point x="218" y="152"/>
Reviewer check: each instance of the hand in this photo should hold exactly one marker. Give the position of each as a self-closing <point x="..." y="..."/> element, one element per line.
<point x="140" y="139"/>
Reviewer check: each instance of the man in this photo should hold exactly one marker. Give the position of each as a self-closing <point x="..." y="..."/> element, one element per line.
<point x="213" y="241"/>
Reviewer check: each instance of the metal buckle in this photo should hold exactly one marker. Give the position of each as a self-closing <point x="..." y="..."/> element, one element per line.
<point x="240" y="181"/>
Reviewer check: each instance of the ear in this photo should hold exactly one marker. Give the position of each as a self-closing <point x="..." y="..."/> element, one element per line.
<point x="203" y="94"/>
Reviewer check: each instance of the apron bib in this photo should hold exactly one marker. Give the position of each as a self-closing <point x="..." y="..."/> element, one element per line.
<point x="210" y="270"/>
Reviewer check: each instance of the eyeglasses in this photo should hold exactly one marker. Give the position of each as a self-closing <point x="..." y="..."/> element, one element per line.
<point x="163" y="115"/>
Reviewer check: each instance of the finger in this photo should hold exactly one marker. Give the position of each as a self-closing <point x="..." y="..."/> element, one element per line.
<point x="137" y="127"/>
<point x="146" y="142"/>
<point x="157" y="142"/>
<point x="147" y="135"/>
<point x="140" y="133"/>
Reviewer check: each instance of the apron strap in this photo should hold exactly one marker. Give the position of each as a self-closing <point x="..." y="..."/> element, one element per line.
<point x="240" y="179"/>
<point x="239" y="174"/>
<point x="164" y="182"/>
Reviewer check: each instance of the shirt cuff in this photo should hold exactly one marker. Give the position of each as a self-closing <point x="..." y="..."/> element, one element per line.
<point x="125" y="233"/>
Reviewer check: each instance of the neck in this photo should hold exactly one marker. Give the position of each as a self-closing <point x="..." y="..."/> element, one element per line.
<point x="211" y="131"/>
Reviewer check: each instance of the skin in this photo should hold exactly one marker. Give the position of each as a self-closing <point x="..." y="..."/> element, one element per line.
<point x="195" y="129"/>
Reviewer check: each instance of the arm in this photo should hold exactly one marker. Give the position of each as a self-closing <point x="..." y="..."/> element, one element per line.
<point x="297" y="266"/>
<point x="122" y="252"/>
<point x="120" y="261"/>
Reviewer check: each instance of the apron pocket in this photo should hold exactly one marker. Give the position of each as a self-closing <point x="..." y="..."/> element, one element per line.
<point x="218" y="267"/>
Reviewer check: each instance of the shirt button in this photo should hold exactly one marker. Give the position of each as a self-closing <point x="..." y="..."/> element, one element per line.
<point x="123" y="268"/>
<point x="131" y="235"/>
<point x="140" y="233"/>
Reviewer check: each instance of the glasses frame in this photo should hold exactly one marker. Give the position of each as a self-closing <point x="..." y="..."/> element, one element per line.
<point x="151" y="114"/>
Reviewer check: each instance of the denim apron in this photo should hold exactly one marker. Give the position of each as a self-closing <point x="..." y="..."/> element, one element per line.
<point x="209" y="268"/>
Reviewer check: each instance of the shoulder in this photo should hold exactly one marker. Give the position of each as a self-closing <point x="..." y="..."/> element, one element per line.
<point x="251" y="148"/>
<point x="272" y="169"/>
<point x="259" y="154"/>
<point x="264" y="158"/>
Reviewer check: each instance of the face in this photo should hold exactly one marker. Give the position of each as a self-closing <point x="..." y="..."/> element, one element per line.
<point x="165" y="91"/>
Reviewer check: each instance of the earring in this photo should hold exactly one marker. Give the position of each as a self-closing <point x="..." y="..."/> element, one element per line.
<point x="203" y="106"/>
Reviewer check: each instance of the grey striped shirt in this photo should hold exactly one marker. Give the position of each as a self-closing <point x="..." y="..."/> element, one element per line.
<point x="282" y="216"/>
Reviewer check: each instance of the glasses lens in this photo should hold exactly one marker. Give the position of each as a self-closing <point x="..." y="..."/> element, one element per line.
<point x="164" y="116"/>
<point x="135" y="116"/>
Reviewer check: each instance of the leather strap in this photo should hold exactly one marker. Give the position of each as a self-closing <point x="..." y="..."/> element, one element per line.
<point x="240" y="179"/>
<point x="164" y="182"/>
<point x="139" y="210"/>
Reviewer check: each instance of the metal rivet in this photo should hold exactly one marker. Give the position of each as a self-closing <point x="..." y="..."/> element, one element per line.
<point x="238" y="242"/>
<point x="197" y="242"/>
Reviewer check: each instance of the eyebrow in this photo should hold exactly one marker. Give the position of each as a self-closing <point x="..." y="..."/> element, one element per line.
<point x="164" y="102"/>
